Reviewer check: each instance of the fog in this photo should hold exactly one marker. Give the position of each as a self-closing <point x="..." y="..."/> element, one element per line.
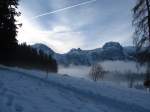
<point x="123" y="66"/>
<point x="75" y="71"/>
<point x="111" y="66"/>
<point x="118" y="72"/>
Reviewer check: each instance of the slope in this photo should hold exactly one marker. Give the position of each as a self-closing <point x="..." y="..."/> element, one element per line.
<point x="29" y="91"/>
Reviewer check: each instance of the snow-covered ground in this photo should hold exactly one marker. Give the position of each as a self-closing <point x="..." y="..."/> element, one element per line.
<point x="30" y="91"/>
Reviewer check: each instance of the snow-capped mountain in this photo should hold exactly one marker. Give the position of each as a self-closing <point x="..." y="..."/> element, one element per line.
<point x="110" y="51"/>
<point x="44" y="48"/>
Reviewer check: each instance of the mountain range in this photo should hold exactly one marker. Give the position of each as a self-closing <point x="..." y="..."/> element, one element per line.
<point x="110" y="51"/>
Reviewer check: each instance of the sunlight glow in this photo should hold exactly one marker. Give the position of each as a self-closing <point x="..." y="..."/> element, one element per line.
<point x="58" y="38"/>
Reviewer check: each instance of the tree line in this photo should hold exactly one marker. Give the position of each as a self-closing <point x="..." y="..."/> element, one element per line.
<point x="13" y="54"/>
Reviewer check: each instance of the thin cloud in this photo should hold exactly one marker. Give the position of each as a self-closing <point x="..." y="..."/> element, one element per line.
<point x="86" y="26"/>
<point x="66" y="8"/>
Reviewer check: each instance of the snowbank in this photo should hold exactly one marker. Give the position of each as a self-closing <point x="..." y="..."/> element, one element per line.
<point x="30" y="91"/>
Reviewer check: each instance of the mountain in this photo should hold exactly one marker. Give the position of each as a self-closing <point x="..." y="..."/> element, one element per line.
<point x="44" y="48"/>
<point x="110" y="51"/>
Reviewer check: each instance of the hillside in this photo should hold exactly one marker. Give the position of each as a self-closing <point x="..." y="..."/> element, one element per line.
<point x="29" y="91"/>
<point x="110" y="51"/>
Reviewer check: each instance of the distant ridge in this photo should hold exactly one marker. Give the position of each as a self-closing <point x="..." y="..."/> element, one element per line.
<point x="110" y="51"/>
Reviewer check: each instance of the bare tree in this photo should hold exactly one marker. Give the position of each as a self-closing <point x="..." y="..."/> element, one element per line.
<point x="130" y="78"/>
<point x="147" y="78"/>
<point x="96" y="72"/>
<point x="141" y="21"/>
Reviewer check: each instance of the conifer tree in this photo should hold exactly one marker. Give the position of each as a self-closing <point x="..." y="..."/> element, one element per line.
<point x="8" y="26"/>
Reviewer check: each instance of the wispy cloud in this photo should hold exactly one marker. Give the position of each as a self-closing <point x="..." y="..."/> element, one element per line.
<point x="61" y="38"/>
<point x="88" y="24"/>
<point x="63" y="9"/>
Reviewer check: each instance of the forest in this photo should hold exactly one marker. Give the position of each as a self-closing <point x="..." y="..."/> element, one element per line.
<point x="14" y="54"/>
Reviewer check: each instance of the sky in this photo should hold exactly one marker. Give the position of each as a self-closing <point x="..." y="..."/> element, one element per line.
<point x="66" y="24"/>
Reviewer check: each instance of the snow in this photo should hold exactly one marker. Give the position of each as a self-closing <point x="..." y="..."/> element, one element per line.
<point x="30" y="91"/>
<point x="44" y="48"/>
<point x="109" y="51"/>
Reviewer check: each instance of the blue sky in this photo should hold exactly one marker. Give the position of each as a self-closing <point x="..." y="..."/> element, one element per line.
<point x="85" y="26"/>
